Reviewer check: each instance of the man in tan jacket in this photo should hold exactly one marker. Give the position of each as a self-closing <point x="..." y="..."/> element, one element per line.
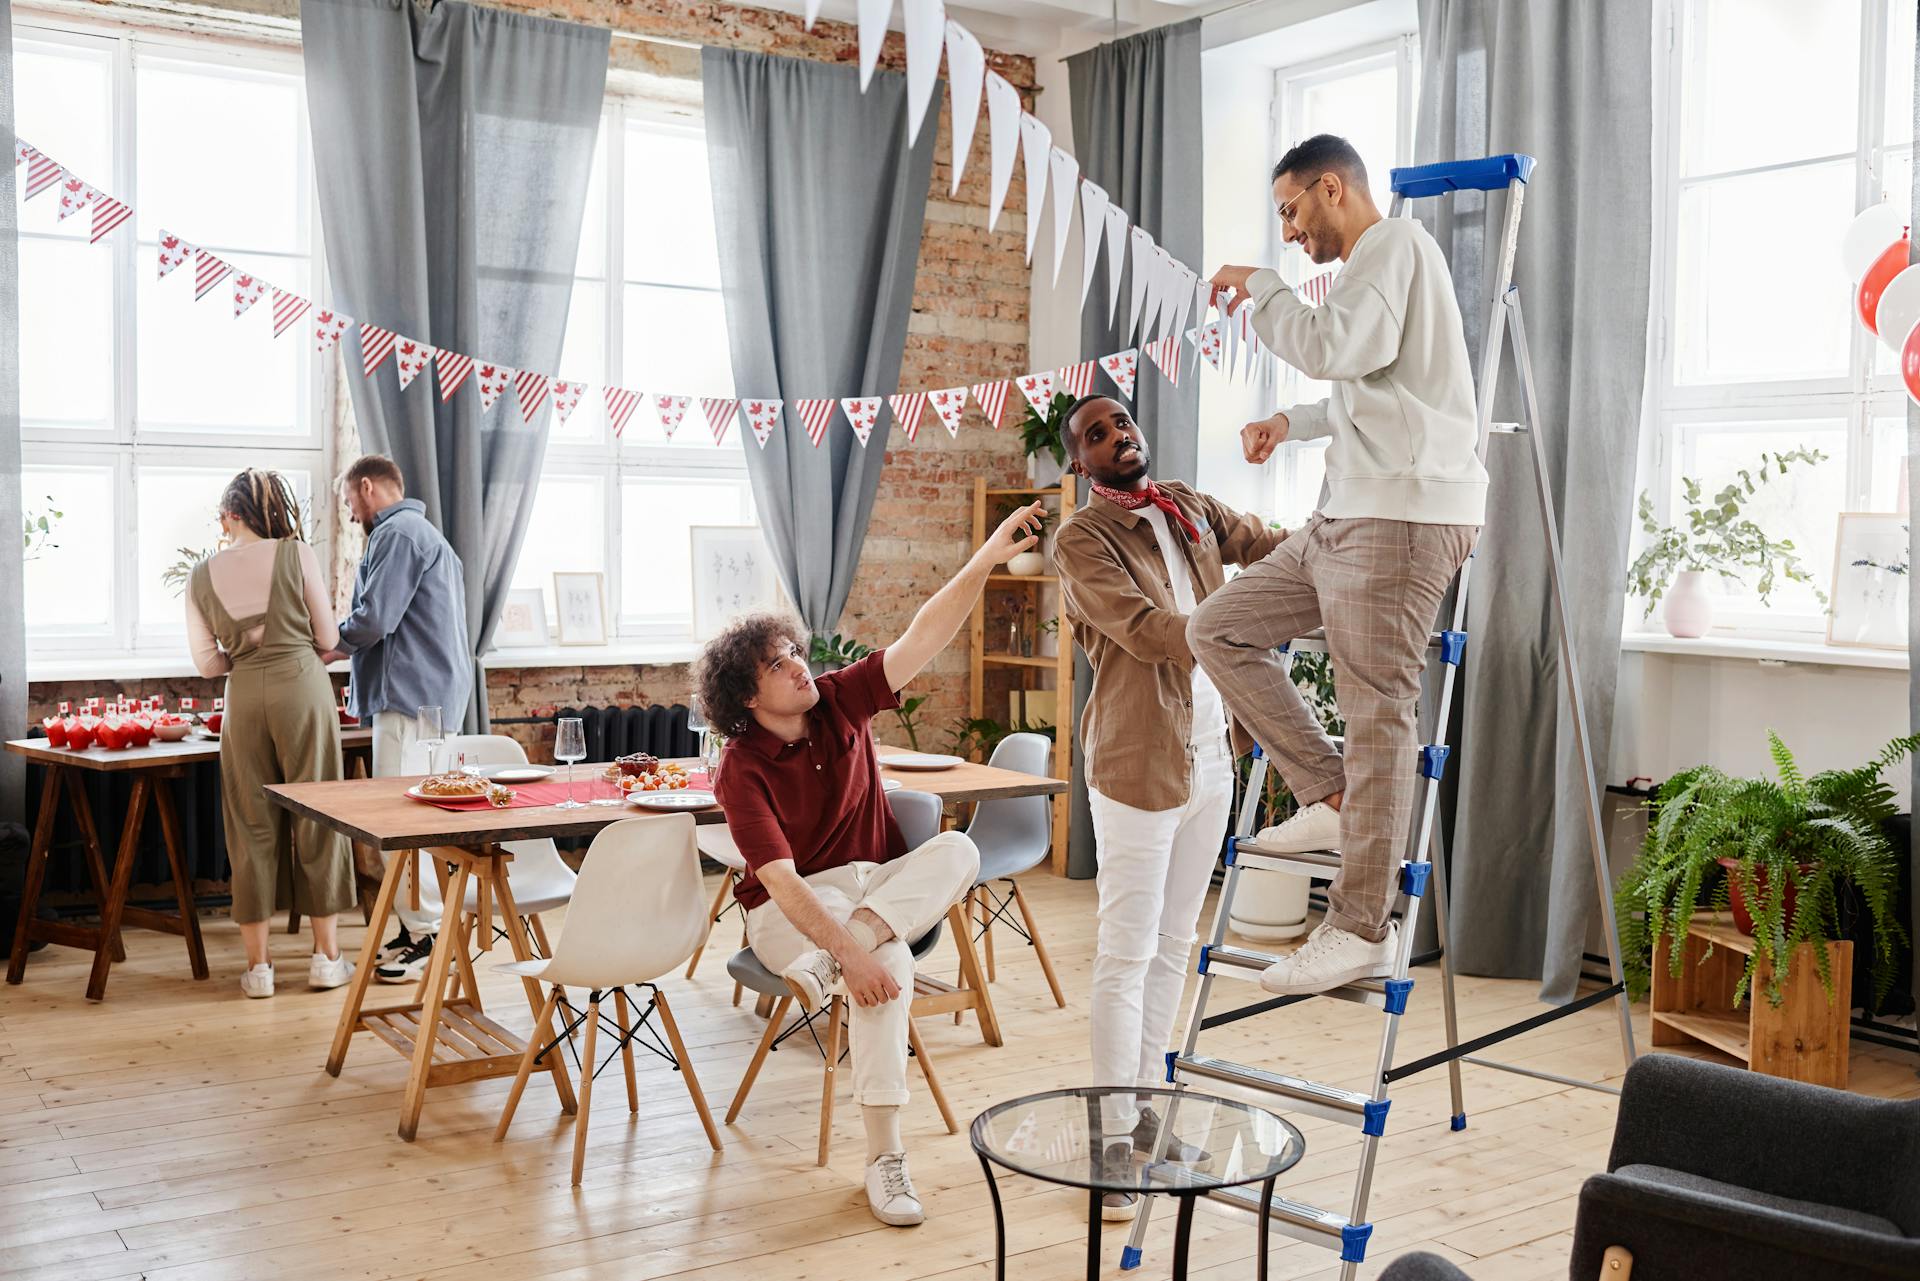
<point x="1134" y="563"/>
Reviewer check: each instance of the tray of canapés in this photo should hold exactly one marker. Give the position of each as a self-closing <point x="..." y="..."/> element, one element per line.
<point x="123" y="723"/>
<point x="652" y="783"/>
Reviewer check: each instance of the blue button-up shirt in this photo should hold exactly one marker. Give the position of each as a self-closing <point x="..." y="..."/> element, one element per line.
<point x="407" y="633"/>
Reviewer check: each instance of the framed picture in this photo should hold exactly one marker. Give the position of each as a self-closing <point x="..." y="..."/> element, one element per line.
<point x="523" y="620"/>
<point x="580" y="602"/>
<point x="732" y="575"/>
<point x="1870" y="574"/>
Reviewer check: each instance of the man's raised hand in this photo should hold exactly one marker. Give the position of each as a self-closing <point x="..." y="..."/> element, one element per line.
<point x="1259" y="439"/>
<point x="1017" y="533"/>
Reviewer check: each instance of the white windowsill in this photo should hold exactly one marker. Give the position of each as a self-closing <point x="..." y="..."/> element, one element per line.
<point x="1764" y="649"/>
<point x="161" y="665"/>
<point x="157" y="665"/>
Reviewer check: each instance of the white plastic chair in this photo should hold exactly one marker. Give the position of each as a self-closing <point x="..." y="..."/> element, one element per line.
<point x="637" y="916"/>
<point x="717" y="843"/>
<point x="1013" y="836"/>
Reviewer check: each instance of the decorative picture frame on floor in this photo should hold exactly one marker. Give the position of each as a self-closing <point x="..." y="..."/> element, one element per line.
<point x="523" y="620"/>
<point x="1871" y="581"/>
<point x="732" y="575"/>
<point x="580" y="605"/>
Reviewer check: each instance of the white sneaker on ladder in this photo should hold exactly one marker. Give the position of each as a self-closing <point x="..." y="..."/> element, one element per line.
<point x="1312" y="828"/>
<point x="1330" y="958"/>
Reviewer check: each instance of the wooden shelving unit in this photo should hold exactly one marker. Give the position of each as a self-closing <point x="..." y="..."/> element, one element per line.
<point x="1060" y="663"/>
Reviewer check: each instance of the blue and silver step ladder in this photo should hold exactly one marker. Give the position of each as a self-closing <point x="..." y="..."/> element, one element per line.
<point x="1366" y="1104"/>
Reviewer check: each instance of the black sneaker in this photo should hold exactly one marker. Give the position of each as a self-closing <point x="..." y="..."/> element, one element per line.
<point x="408" y="964"/>
<point x="393" y="947"/>
<point x="1178" y="1151"/>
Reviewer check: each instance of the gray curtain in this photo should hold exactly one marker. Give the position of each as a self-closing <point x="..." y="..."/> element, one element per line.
<point x="1136" y="133"/>
<point x="1572" y="85"/>
<point x="453" y="148"/>
<point x="819" y="207"/>
<point x="13" y="627"/>
<point x="1913" y="631"/>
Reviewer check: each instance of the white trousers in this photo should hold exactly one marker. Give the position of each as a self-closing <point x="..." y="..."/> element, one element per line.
<point x="395" y="735"/>
<point x="1154" y="870"/>
<point x="911" y="895"/>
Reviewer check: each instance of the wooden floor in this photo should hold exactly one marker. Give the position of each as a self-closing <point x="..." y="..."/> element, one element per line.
<point x="181" y="1131"/>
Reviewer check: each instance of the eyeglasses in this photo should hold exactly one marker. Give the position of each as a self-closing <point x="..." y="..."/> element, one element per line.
<point x="1286" y="211"/>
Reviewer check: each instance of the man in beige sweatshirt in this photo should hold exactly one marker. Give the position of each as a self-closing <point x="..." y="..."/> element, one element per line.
<point x="1406" y="494"/>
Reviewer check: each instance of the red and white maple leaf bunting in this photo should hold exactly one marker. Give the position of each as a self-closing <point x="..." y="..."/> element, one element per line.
<point x="1207" y="339"/>
<point x="173" y="252"/>
<point x="566" y="398"/>
<point x="376" y="344"/>
<point x="327" y="328"/>
<point x="620" y="406"/>
<point x="410" y="359"/>
<point x="287" y="309"/>
<point x="1077" y="379"/>
<point x="762" y="417"/>
<point x="247" y="290"/>
<point x="1122" y="367"/>
<point x="992" y="399"/>
<point x="108" y="214"/>
<point x="950" y="403"/>
<point x="863" y="413"/>
<point x="208" y="271"/>
<point x="42" y="172"/>
<point x="815" y="416"/>
<point x="74" y="195"/>
<point x="1038" y="390"/>
<point x="531" y="389"/>
<point x="670" y="410"/>
<point x="1165" y="354"/>
<point x="907" y="408"/>
<point x="494" y="381"/>
<point x="719" y="411"/>
<point x="454" y="369"/>
<point x="22" y="148"/>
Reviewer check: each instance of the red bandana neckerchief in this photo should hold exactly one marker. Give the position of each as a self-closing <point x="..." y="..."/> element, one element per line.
<point x="1135" y="500"/>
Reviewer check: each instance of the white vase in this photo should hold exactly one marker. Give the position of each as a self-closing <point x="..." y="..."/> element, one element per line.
<point x="1269" y="905"/>
<point x="1689" y="609"/>
<point x="1027" y="564"/>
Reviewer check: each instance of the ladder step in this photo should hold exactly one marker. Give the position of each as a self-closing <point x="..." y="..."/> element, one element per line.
<point x="1324" y="864"/>
<point x="1244" y="963"/>
<point x="1315" y="641"/>
<point x="1295" y="1218"/>
<point x="1328" y="1102"/>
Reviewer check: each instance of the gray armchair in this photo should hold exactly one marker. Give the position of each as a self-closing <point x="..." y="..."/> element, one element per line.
<point x="1722" y="1173"/>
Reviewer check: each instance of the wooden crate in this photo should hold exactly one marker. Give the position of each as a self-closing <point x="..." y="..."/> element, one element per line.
<point x="1804" y="1038"/>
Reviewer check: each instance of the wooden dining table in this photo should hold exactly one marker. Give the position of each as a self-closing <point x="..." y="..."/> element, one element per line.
<point x="445" y="1031"/>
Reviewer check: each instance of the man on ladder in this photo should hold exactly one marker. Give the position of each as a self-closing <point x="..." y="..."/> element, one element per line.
<point x="1406" y="495"/>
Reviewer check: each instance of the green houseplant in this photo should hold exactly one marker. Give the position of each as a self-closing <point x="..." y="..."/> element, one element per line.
<point x="831" y="653"/>
<point x="1794" y="847"/>
<point x="38" y="531"/>
<point x="1042" y="434"/>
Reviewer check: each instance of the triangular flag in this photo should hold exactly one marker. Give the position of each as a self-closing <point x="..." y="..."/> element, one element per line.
<point x="1003" y="137"/>
<point x="762" y="417"/>
<point x="566" y="398"/>
<point x="950" y="403"/>
<point x="862" y="413"/>
<point x="926" y="23"/>
<point x="1093" y="218"/>
<point x="1122" y="366"/>
<point x="1143" y="258"/>
<point x="816" y="416"/>
<point x="872" y="17"/>
<point x="454" y="368"/>
<point x="813" y="12"/>
<point x="1206" y="339"/>
<point x="1116" y="256"/>
<point x="966" y="76"/>
<point x="1077" y="380"/>
<point x="1180" y="299"/>
<point x="494" y="381"/>
<point x="287" y="309"/>
<point x="1035" y="141"/>
<point x="1064" y="178"/>
<point x="719" y="410"/>
<point x="670" y="410"/>
<point x="1038" y="390"/>
<point x="173" y="252"/>
<point x="74" y="195"/>
<point x="531" y="389"/>
<point x="907" y="407"/>
<point x="327" y="328"/>
<point x="1315" y="290"/>
<point x="992" y="399"/>
<point x="208" y="271"/>
<point x="376" y="344"/>
<point x="247" y="290"/>
<point x="42" y="172"/>
<point x="21" y="150"/>
<point x="108" y="213"/>
<point x="1230" y="330"/>
<point x="410" y="360"/>
<point x="1166" y="357"/>
<point x="620" y="406"/>
<point x="1202" y="299"/>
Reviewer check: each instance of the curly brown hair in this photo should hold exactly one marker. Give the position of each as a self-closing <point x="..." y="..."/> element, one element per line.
<point x="727" y="676"/>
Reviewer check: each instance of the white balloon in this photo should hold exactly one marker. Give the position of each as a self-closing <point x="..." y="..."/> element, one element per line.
<point x="1868" y="236"/>
<point x="1899" y="309"/>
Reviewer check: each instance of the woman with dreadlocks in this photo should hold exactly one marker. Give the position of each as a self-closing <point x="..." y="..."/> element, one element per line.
<point x="258" y="614"/>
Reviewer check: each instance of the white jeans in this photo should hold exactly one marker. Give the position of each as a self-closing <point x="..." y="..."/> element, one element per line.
<point x="395" y="735"/>
<point x="911" y="895"/>
<point x="1154" y="870"/>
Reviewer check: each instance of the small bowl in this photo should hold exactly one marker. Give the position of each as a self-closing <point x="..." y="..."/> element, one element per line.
<point x="172" y="733"/>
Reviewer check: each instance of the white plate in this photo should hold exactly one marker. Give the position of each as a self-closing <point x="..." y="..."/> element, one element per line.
<point x="920" y="760"/>
<point x="516" y="773"/>
<point x="891" y="785"/>
<point x="685" y="800"/>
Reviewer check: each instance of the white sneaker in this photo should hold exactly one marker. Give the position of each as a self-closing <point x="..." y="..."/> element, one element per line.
<point x="258" y="981"/>
<point x="890" y="1191"/>
<point x="1329" y="958"/>
<point x="323" y="973"/>
<point x="812" y="977"/>
<point x="1315" y="828"/>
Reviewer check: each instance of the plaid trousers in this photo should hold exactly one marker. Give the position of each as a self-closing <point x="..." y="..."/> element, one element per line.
<point x="1376" y="586"/>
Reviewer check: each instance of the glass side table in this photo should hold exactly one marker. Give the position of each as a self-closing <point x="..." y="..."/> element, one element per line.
<point x="1062" y="1136"/>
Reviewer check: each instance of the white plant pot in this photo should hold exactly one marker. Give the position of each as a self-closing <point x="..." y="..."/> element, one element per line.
<point x="1689" y="609"/>
<point x="1269" y="904"/>
<point x="1027" y="564"/>
<point x="1042" y="470"/>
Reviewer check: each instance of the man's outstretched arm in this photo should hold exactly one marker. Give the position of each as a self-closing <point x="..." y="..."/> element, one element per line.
<point x="938" y="621"/>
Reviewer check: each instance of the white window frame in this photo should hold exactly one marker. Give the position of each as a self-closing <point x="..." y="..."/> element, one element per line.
<point x="123" y="447"/>
<point x="1857" y="398"/>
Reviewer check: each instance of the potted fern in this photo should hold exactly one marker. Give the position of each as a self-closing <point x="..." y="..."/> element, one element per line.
<point x="1792" y="852"/>
<point x="1040" y="436"/>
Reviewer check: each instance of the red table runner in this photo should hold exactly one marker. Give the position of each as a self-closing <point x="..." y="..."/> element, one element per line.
<point x="587" y="786"/>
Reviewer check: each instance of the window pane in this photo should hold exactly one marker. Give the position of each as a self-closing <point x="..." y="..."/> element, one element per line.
<point x="63" y="103"/>
<point x="583" y="358"/>
<point x="656" y="557"/>
<point x="1747" y="306"/>
<point x="1303" y="471"/>
<point x="566" y="534"/>
<point x="1803" y="506"/>
<point x="221" y="156"/>
<point x="203" y="370"/>
<point x="1901" y="18"/>
<point x="1769" y="81"/>
<point x="669" y="209"/>
<point x="676" y="342"/>
<point x="177" y="511"/>
<point x="69" y="580"/>
<point x="1360" y="108"/>
<point x="66" y="342"/>
<point x="1888" y="480"/>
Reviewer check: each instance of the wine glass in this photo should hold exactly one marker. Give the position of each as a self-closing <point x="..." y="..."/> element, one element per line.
<point x="697" y="724"/>
<point x="432" y="736"/>
<point x="570" y="745"/>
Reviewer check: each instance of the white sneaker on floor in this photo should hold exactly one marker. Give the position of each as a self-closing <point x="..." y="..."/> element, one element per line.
<point x="1314" y="828"/>
<point x="323" y="973"/>
<point x="1329" y="958"/>
<point x="812" y="977"/>
<point x="258" y="981"/>
<point x="890" y="1191"/>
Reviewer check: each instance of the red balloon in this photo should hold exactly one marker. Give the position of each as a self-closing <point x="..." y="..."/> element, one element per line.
<point x="1910" y="363"/>
<point x="1889" y="264"/>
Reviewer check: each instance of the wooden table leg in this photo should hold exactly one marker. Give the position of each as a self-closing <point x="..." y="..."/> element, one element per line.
<point x="91" y="847"/>
<point x="958" y="922"/>
<point x="117" y="891"/>
<point x="363" y="973"/>
<point x="428" y="1036"/>
<point x="36" y="872"/>
<point x="182" y="877"/>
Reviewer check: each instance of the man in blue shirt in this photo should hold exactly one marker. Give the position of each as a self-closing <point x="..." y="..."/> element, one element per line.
<point x="407" y="637"/>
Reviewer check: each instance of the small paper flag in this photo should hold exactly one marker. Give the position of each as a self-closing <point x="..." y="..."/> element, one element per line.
<point x="863" y="412"/>
<point x="671" y="409"/>
<point x="208" y="271"/>
<point x="762" y="417"/>
<point x="566" y="398"/>
<point x="907" y="408"/>
<point x="992" y="399"/>
<point x="173" y="252"/>
<point x="950" y="403"/>
<point x="247" y="290"/>
<point x="376" y="344"/>
<point x="620" y="406"/>
<point x="531" y="389"/>
<point x="815" y="416"/>
<point x="287" y="309"/>
<point x="108" y="213"/>
<point x="1077" y="380"/>
<point x="327" y="328"/>
<point x="410" y="360"/>
<point x="454" y="369"/>
<point x="720" y="412"/>
<point x="1122" y="367"/>
<point x="494" y="381"/>
<point x="1038" y="390"/>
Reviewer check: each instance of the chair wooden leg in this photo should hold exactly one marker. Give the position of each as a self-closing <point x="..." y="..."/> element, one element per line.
<point x="586" y="1090"/>
<point x="836" y="1013"/>
<point x="762" y="1006"/>
<point x="933" y="1082"/>
<point x="694" y="1091"/>
<point x="713" y="915"/>
<point x="626" y="1048"/>
<point x="526" y="1066"/>
<point x="734" y="880"/>
<point x="767" y="1038"/>
<point x="985" y="901"/>
<point x="960" y="969"/>
<point x="1039" y="946"/>
<point x="1616" y="1264"/>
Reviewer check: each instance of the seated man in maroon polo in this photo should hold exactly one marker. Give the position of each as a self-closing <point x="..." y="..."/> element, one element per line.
<point x="833" y="896"/>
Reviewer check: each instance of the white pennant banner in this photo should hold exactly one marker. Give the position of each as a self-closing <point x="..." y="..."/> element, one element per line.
<point x="494" y="381"/>
<point x="74" y="195"/>
<point x="813" y="12"/>
<point x="1184" y="298"/>
<point x="966" y="76"/>
<point x="566" y="398"/>
<point x="926" y="35"/>
<point x="1093" y="219"/>
<point x="247" y="290"/>
<point x="1077" y="380"/>
<point x="992" y="399"/>
<point x="1035" y="141"/>
<point x="1038" y="390"/>
<point x="1143" y="257"/>
<point x="410" y="360"/>
<point x="1206" y="340"/>
<point x="1116" y="256"/>
<point x="762" y="417"/>
<point x="863" y="412"/>
<point x="816" y="416"/>
<point x="1122" y="367"/>
<point x="531" y="390"/>
<point x="328" y="326"/>
<point x="872" y="17"/>
<point x="1064" y="178"/>
<point x="454" y="368"/>
<point x="620" y="406"/>
<point x="173" y="252"/>
<point x="287" y="310"/>
<point x="719" y="410"/>
<point x="907" y="408"/>
<point x="670" y="410"/>
<point x="950" y="403"/>
<point x="1003" y="137"/>
<point x="376" y="344"/>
